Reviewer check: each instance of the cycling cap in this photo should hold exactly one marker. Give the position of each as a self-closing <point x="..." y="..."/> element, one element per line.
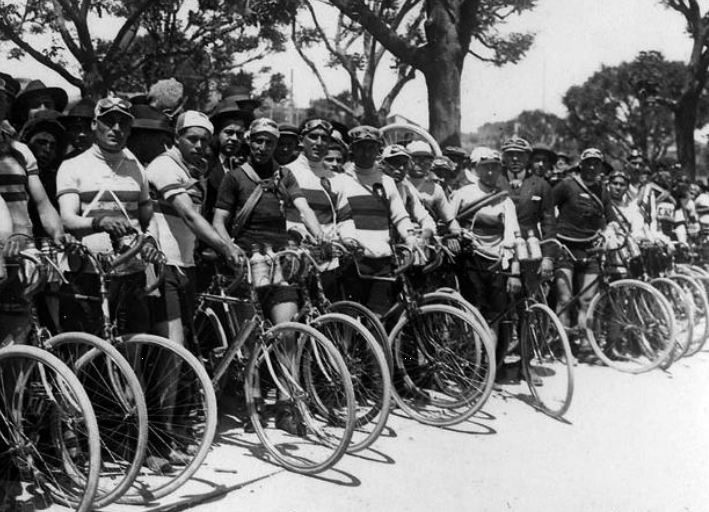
<point x="192" y="118"/>
<point x="443" y="162"/>
<point x="364" y="133"/>
<point x="394" y="150"/>
<point x="591" y="153"/>
<point x="419" y="147"/>
<point x="483" y="155"/>
<point x="264" y="125"/>
<point x="516" y="144"/>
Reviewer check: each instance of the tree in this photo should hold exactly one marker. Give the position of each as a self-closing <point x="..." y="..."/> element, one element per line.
<point x="617" y="110"/>
<point x="277" y="89"/>
<point x="153" y="40"/>
<point x="353" y="49"/>
<point x="694" y="78"/>
<point x="535" y="126"/>
<point x="452" y="30"/>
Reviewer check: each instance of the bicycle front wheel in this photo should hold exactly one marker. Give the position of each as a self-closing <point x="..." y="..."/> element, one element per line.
<point x="182" y="413"/>
<point x="119" y="404"/>
<point x="683" y="310"/>
<point x="444" y="365"/>
<point x="312" y="423"/>
<point x="369" y="371"/>
<point x="698" y="295"/>
<point x="630" y="326"/>
<point x="547" y="362"/>
<point x="48" y="431"/>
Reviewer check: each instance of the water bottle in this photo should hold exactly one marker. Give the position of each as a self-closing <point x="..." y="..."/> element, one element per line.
<point x="521" y="248"/>
<point x="277" y="277"/>
<point x="534" y="246"/>
<point x="260" y="267"/>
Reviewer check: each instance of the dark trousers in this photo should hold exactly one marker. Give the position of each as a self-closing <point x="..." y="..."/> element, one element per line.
<point x="376" y="295"/>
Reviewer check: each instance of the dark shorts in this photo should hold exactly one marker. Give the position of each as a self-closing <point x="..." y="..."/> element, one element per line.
<point x="275" y="294"/>
<point x="378" y="296"/>
<point x="177" y="295"/>
<point x="580" y="252"/>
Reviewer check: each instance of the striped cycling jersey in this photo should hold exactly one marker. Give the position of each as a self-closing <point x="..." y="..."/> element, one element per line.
<point x="107" y="184"/>
<point x="326" y="198"/>
<point x="169" y="176"/>
<point x="372" y="215"/>
<point x="415" y="206"/>
<point x="14" y="177"/>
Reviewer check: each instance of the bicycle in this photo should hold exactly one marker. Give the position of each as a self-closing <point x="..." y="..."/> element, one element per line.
<point x="49" y="435"/>
<point x="629" y="324"/>
<point x="261" y="355"/>
<point x="112" y="386"/>
<point x="180" y="400"/>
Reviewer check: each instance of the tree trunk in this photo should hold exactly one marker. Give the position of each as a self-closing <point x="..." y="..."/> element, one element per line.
<point x="685" y="118"/>
<point x="443" y="88"/>
<point x="94" y="86"/>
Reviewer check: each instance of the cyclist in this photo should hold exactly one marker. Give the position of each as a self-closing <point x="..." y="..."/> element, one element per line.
<point x="460" y="159"/>
<point x="426" y="188"/>
<point x="151" y="133"/>
<point x="542" y="161"/>
<point x="379" y="215"/>
<point x="583" y="207"/>
<point x="20" y="186"/>
<point x="261" y="185"/>
<point x="78" y="127"/>
<point x="495" y="227"/>
<point x="626" y="211"/>
<point x="326" y="198"/>
<point x="103" y="198"/>
<point x="175" y="179"/>
<point x="336" y="155"/>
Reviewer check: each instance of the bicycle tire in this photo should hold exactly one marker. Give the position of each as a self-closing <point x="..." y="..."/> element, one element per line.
<point x="323" y="441"/>
<point x="368" y="319"/>
<point x="683" y="311"/>
<point x="119" y="407"/>
<point x="448" y="388"/>
<point x="698" y="293"/>
<point x="546" y="354"/>
<point x="369" y="372"/>
<point x="150" y="357"/>
<point x="389" y="132"/>
<point x="66" y="427"/>
<point x="641" y="326"/>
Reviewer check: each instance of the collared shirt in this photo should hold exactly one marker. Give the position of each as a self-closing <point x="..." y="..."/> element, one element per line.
<point x="168" y="179"/>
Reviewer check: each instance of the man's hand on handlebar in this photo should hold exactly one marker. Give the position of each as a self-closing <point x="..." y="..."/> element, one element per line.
<point x="234" y="256"/>
<point x="151" y="253"/>
<point x="116" y="226"/>
<point x="514" y="285"/>
<point x="13" y="246"/>
<point x="546" y="268"/>
<point x="453" y="244"/>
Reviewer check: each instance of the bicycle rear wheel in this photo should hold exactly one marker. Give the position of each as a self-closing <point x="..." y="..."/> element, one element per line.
<point x="52" y="452"/>
<point x="368" y="319"/>
<point x="286" y="357"/>
<point x="368" y="368"/>
<point x="630" y="326"/>
<point x="444" y="365"/>
<point x="119" y="405"/>
<point x="696" y="291"/>
<point x="546" y="355"/>
<point x="182" y="413"/>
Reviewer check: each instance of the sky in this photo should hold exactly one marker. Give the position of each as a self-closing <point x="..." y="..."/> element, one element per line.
<point x="573" y="39"/>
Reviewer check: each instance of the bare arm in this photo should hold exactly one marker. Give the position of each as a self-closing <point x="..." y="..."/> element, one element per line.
<point x="51" y="221"/>
<point x="199" y="225"/>
<point x="69" y="207"/>
<point x="308" y="217"/>
<point x="219" y="223"/>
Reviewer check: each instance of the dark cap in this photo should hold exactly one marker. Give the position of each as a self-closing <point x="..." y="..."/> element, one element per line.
<point x="227" y="110"/>
<point x="9" y="85"/>
<point x="288" y="129"/>
<point x="33" y="89"/>
<point x="239" y="95"/>
<point x="543" y="149"/>
<point x="43" y="121"/>
<point x="149" y="118"/>
<point x="84" y="109"/>
<point x="454" y="152"/>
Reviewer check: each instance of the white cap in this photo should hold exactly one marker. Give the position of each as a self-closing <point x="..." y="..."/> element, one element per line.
<point x="483" y="154"/>
<point x="419" y="147"/>
<point x="192" y="118"/>
<point x="394" y="150"/>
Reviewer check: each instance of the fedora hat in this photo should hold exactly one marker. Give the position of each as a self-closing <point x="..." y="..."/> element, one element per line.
<point x="240" y="95"/>
<point x="31" y="91"/>
<point x="543" y="149"/>
<point x="84" y="109"/>
<point x="9" y="85"/>
<point x="229" y="109"/>
<point x="45" y="121"/>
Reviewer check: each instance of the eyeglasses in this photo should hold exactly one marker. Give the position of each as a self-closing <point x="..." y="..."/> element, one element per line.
<point x="111" y="102"/>
<point x="362" y="133"/>
<point x="314" y="124"/>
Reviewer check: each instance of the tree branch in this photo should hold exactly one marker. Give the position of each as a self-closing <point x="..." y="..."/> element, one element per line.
<point x="398" y="86"/>
<point x="64" y="32"/>
<point x="308" y="61"/>
<point x="398" y="46"/>
<point x="8" y="32"/>
<point x="122" y="39"/>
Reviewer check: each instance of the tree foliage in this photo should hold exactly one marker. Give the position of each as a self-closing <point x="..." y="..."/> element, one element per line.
<point x="536" y="126"/>
<point x="156" y="38"/>
<point x="622" y="107"/>
<point x="444" y="33"/>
